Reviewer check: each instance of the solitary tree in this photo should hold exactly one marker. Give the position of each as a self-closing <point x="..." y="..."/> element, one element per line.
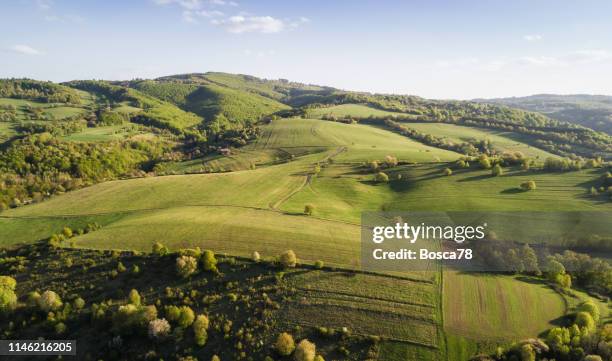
<point x="288" y="259"/>
<point x="308" y="209"/>
<point x="381" y="177"/>
<point x="497" y="170"/>
<point x="284" y="344"/>
<point x="528" y="186"/>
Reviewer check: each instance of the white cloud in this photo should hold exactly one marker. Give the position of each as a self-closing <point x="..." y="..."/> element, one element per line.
<point x="239" y="24"/>
<point x="532" y="37"/>
<point x="210" y="13"/>
<point x="185" y="4"/>
<point x="223" y="3"/>
<point x="44" y="4"/>
<point x="24" y="49"/>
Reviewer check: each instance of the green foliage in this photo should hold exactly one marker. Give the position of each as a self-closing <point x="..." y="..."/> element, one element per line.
<point x="8" y="300"/>
<point x="305" y="351"/>
<point x="497" y="170"/>
<point x="381" y="177"/>
<point x="200" y="330"/>
<point x="134" y="298"/>
<point x="591" y="308"/>
<point x="159" y="249"/>
<point x="209" y="261"/>
<point x="186" y="317"/>
<point x="319" y="264"/>
<point x="7" y="282"/>
<point x="37" y="90"/>
<point x="529" y="185"/>
<point x="284" y="344"/>
<point x="288" y="259"/>
<point x="447" y="172"/>
<point x="585" y="320"/>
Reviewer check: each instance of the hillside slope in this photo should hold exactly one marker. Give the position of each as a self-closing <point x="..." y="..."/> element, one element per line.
<point x="593" y="111"/>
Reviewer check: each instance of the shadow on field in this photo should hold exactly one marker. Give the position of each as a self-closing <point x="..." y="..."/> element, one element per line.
<point x="475" y="178"/>
<point x="512" y="191"/>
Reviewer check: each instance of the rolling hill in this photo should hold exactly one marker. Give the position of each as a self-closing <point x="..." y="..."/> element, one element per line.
<point x="593" y="111"/>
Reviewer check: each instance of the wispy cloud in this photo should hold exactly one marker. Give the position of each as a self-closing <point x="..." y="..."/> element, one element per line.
<point x="44" y="4"/>
<point x="532" y="37"/>
<point x="194" y="11"/>
<point x="239" y="24"/>
<point x="24" y="49"/>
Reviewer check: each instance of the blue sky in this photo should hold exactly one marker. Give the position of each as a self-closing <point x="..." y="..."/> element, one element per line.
<point x="437" y="49"/>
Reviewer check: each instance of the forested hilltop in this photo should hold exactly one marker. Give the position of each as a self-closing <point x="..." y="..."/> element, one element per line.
<point x="592" y="111"/>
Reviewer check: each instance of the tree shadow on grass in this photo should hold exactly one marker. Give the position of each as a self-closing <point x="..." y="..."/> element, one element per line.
<point x="475" y="178"/>
<point x="512" y="191"/>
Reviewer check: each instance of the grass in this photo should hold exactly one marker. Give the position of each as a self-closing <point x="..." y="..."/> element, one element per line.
<point x="363" y="142"/>
<point x="502" y="141"/>
<point x="6" y="131"/>
<point x="484" y="306"/>
<point x="102" y="134"/>
<point x="353" y="110"/>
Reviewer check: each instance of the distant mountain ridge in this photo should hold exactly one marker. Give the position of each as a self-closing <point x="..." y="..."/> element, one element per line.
<point x="592" y="111"/>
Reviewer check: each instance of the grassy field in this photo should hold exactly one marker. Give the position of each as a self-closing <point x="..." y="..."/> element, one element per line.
<point x="363" y="142"/>
<point x="502" y="141"/>
<point x="344" y="110"/>
<point x="102" y="134"/>
<point x="6" y="131"/>
<point x="483" y="306"/>
<point x="48" y="110"/>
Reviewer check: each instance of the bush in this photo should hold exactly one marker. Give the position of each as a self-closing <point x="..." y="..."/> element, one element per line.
<point x="186" y="317"/>
<point x="49" y="301"/>
<point x="67" y="232"/>
<point x="497" y="170"/>
<point x="288" y="259"/>
<point x="305" y="351"/>
<point x="134" y="297"/>
<point x="308" y="209"/>
<point x="8" y="282"/>
<point x="528" y="186"/>
<point x="585" y="320"/>
<point x="186" y="266"/>
<point x="200" y="327"/>
<point x="159" y="249"/>
<point x="319" y="264"/>
<point x="8" y="300"/>
<point x="60" y="328"/>
<point x="284" y="344"/>
<point x="78" y="303"/>
<point x="390" y="161"/>
<point x="590" y="308"/>
<point x="381" y="177"/>
<point x="447" y="172"/>
<point x="209" y="261"/>
<point x="255" y="256"/>
<point x="215" y="358"/>
<point x="159" y="328"/>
